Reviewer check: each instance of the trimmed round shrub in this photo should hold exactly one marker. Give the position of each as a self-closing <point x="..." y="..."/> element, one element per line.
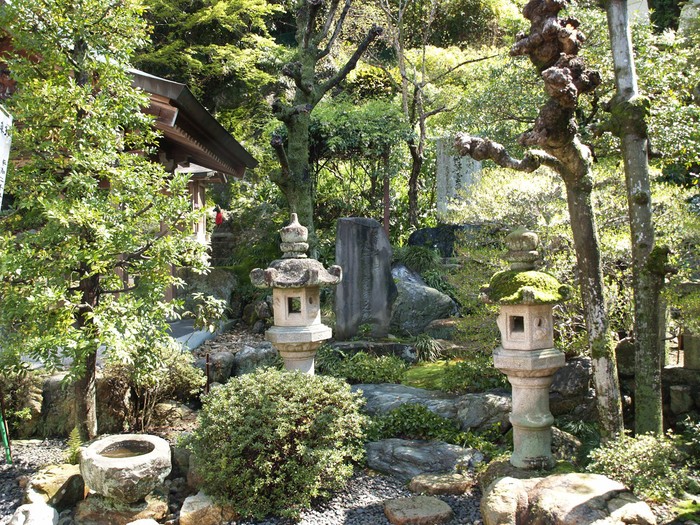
<point x="269" y="442"/>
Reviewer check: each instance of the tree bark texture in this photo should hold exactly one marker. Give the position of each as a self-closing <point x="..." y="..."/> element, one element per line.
<point x="85" y="387"/>
<point x="629" y="111"/>
<point x="552" y="45"/>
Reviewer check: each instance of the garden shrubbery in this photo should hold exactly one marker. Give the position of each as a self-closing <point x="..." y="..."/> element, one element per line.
<point x="270" y="442"/>
<point x="651" y="466"/>
<point x="360" y="367"/>
<point x="415" y="421"/>
<point x="167" y="372"/>
<point x="474" y="374"/>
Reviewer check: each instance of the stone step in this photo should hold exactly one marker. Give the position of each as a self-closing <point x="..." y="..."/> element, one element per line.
<point x="417" y="510"/>
<point x="440" y="484"/>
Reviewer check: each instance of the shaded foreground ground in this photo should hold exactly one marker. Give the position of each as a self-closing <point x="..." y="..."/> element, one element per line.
<point x="361" y="503"/>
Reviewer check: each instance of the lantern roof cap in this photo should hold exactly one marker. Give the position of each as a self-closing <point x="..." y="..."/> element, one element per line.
<point x="295" y="269"/>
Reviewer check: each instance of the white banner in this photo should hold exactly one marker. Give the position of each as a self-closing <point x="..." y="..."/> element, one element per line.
<point x="5" y="142"/>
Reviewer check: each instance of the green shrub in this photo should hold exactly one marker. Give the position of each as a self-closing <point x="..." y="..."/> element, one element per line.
<point x="690" y="439"/>
<point x="585" y="431"/>
<point x="269" y="442"/>
<point x="649" y="465"/>
<point x="414" y="421"/>
<point x="477" y="330"/>
<point x="427" y="348"/>
<point x="361" y="367"/>
<point x="475" y="374"/>
<point x="440" y="281"/>
<point x="18" y="387"/>
<point x="418" y="258"/>
<point x="167" y="372"/>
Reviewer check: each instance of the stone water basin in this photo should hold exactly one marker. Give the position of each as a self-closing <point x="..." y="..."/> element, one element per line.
<point x="126" y="467"/>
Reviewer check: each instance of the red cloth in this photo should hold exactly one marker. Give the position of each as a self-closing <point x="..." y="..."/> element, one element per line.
<point x="219" y="218"/>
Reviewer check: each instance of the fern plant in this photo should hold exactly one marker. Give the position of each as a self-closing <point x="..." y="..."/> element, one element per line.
<point x="74" y="444"/>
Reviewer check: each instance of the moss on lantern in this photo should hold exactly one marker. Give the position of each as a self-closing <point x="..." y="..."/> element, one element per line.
<point x="529" y="287"/>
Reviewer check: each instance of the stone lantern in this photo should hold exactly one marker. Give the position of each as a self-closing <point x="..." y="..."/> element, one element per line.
<point x="296" y="282"/>
<point x="527" y="354"/>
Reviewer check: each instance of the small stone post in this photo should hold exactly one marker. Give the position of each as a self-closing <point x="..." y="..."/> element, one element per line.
<point x="527" y="354"/>
<point x="296" y="281"/>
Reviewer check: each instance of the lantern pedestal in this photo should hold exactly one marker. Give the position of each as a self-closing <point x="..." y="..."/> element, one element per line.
<point x="530" y="373"/>
<point x="298" y="345"/>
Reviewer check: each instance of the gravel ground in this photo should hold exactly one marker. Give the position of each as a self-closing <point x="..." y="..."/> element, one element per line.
<point x="359" y="504"/>
<point x="28" y="456"/>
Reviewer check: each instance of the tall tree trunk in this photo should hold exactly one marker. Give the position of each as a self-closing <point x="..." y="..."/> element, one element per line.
<point x="318" y="26"/>
<point x="298" y="187"/>
<point x="85" y="387"/>
<point x="601" y="344"/>
<point x="416" y="166"/>
<point x="386" y="196"/>
<point x="629" y="111"/>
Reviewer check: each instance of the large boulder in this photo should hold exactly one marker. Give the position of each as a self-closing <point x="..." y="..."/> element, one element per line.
<point x="200" y="509"/>
<point x="571" y="391"/>
<point x="249" y="358"/>
<point x="417" y="304"/>
<point x="405" y="459"/>
<point x="444" y="236"/>
<point x="34" y="514"/>
<point x="453" y="483"/>
<point x="61" y="486"/>
<point x="417" y="510"/>
<point x="57" y="407"/>
<point x="98" y="510"/>
<point x="220" y="366"/>
<point x="689" y="20"/>
<point x="367" y="291"/>
<point x="381" y="398"/>
<point x="30" y="403"/>
<point x="505" y="501"/>
<point x="563" y="499"/>
<point x="442" y="328"/>
<point x="483" y="410"/>
<point x="58" y="404"/>
<point x="471" y="411"/>
<point x="217" y="282"/>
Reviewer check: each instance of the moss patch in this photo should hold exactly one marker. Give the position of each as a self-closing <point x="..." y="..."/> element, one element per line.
<point x="688" y="510"/>
<point x="516" y="287"/>
<point x="426" y="375"/>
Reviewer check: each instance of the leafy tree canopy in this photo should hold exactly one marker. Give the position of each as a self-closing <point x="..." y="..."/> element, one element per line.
<point x="87" y="248"/>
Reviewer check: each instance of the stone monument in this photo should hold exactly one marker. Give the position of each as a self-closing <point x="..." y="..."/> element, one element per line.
<point x="296" y="281"/>
<point x="366" y="295"/>
<point x="454" y="173"/>
<point x="527" y="354"/>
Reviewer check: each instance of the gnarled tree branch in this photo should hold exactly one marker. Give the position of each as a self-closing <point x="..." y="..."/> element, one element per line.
<point x="485" y="149"/>
<point x="278" y="145"/>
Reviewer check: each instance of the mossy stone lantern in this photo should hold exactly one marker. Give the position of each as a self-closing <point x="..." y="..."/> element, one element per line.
<point x="527" y="354"/>
<point x="296" y="282"/>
